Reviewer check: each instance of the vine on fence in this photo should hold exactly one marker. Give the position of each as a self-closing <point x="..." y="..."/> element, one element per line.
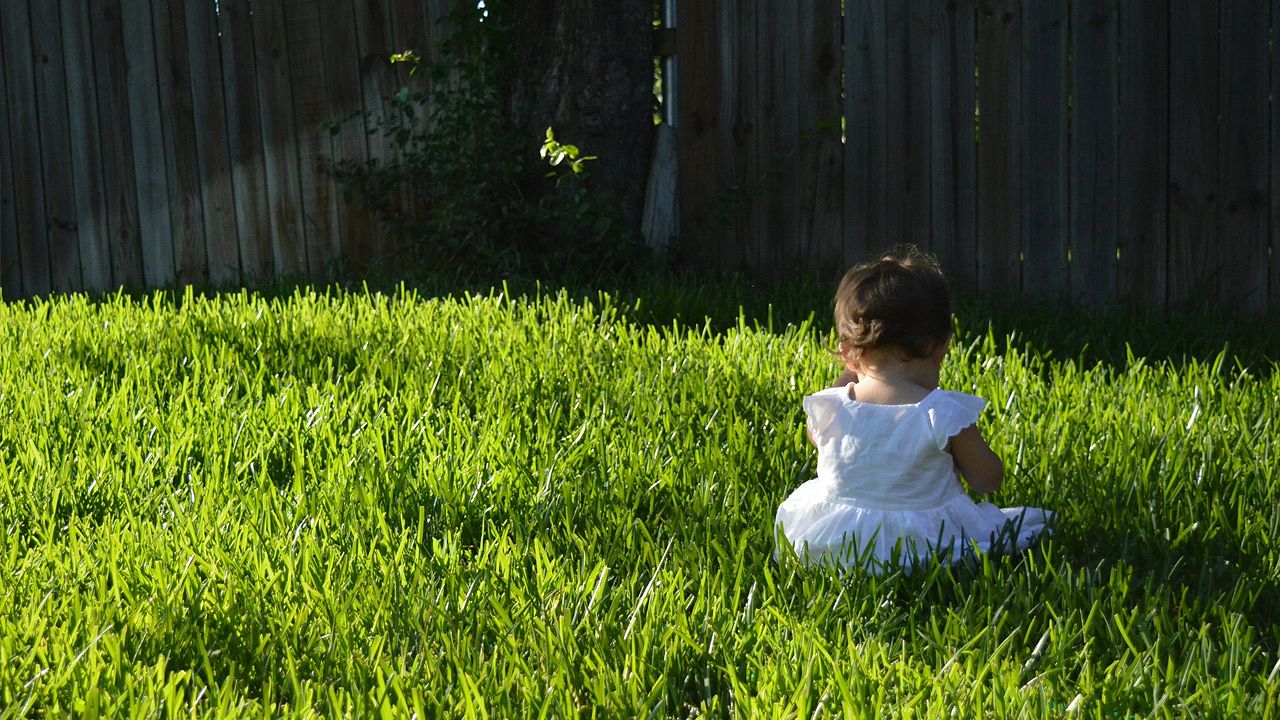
<point x="454" y="185"/>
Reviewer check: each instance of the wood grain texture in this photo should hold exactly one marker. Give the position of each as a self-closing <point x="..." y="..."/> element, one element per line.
<point x="1094" y="118"/>
<point x="279" y="141"/>
<point x="1244" y="142"/>
<point x="864" y="152"/>
<point x="712" y="130"/>
<point x="61" y="229"/>
<point x="92" y="229"/>
<point x="1273" y="284"/>
<point x="342" y="78"/>
<point x="780" y="244"/>
<point x="311" y="106"/>
<point x="10" y="261"/>
<point x="1142" y="153"/>
<point x="906" y="158"/>
<point x="1195" y="265"/>
<point x="952" y="161"/>
<point x="115" y="122"/>
<point x="918" y="93"/>
<point x="151" y="173"/>
<point x="213" y="155"/>
<point x="24" y="130"/>
<point x="181" y="144"/>
<point x="377" y="81"/>
<point x="1043" y="138"/>
<point x="999" y="42"/>
<point x="409" y="32"/>
<point x="701" y="151"/>
<point x="750" y="215"/>
<point x="437" y="26"/>
<point x="244" y="142"/>
<point x="821" y="181"/>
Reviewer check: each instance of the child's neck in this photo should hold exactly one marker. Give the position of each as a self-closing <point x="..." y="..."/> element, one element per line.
<point x="886" y="379"/>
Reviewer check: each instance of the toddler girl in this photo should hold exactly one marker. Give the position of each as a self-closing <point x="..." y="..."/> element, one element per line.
<point x="892" y="445"/>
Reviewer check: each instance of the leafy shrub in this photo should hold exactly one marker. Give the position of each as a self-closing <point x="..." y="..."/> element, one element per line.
<point x="456" y="184"/>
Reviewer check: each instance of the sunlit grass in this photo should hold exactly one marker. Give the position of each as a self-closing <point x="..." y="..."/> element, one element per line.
<point x="352" y="503"/>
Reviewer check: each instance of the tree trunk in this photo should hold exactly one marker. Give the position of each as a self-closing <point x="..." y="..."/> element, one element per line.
<point x="585" y="68"/>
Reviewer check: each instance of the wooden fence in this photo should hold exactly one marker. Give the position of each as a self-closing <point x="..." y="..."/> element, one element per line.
<point x="1093" y="150"/>
<point x="150" y="143"/>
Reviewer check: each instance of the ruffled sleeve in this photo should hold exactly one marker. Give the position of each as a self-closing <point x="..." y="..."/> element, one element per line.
<point x="951" y="412"/>
<point x="821" y="410"/>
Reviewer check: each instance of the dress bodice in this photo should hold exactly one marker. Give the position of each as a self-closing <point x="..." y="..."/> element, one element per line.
<point x="891" y="457"/>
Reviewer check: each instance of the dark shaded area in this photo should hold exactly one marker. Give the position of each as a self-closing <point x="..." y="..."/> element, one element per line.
<point x="585" y="68"/>
<point x="660" y="296"/>
<point x="1110" y="335"/>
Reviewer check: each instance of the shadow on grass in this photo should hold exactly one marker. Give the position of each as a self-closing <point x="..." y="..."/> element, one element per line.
<point x="1108" y="335"/>
<point x="1204" y="571"/>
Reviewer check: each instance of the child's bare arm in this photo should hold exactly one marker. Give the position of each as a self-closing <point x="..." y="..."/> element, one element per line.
<point x="845" y="378"/>
<point x="979" y="465"/>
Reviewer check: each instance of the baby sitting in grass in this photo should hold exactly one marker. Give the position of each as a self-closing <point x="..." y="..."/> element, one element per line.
<point x="892" y="446"/>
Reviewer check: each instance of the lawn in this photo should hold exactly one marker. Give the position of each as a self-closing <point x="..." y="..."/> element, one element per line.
<point x="548" y="503"/>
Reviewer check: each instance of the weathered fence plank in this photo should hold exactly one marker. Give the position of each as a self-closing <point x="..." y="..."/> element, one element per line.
<point x="704" y="148"/>
<point x="1194" y="147"/>
<point x="213" y="158"/>
<point x="24" y="126"/>
<point x="906" y="136"/>
<point x="244" y="141"/>
<point x="310" y="108"/>
<point x="819" y="163"/>
<point x="1243" y="142"/>
<point x="1273" y="285"/>
<point x="279" y="140"/>
<point x="91" y="225"/>
<point x="918" y="126"/>
<point x="746" y="138"/>
<point x="10" y="271"/>
<point x="115" y="122"/>
<point x="864" y="152"/>
<point x="438" y="27"/>
<point x="409" y="32"/>
<point x="951" y="139"/>
<point x="1093" y="169"/>
<point x="1043" y="140"/>
<point x="999" y="171"/>
<point x="780" y="135"/>
<point x="178" y="132"/>
<point x="1143" y="153"/>
<point x="10" y="267"/>
<point x="55" y="148"/>
<point x="342" y="76"/>
<point x="152" y="180"/>
<point x="377" y="81"/>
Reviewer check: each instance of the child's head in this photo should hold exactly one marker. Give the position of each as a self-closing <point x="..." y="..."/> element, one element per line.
<point x="898" y="302"/>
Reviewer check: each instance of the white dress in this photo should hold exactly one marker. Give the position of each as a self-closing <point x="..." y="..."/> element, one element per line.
<point x="887" y="492"/>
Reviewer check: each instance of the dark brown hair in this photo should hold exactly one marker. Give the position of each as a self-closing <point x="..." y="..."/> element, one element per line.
<point x="898" y="301"/>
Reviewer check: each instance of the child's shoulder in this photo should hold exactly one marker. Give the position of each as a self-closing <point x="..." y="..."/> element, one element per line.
<point x="835" y="391"/>
<point x="956" y="401"/>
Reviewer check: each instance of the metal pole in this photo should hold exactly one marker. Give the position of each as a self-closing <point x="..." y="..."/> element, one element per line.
<point x="670" y="78"/>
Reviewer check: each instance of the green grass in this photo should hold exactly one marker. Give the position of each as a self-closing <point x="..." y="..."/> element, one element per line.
<point x="348" y="504"/>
